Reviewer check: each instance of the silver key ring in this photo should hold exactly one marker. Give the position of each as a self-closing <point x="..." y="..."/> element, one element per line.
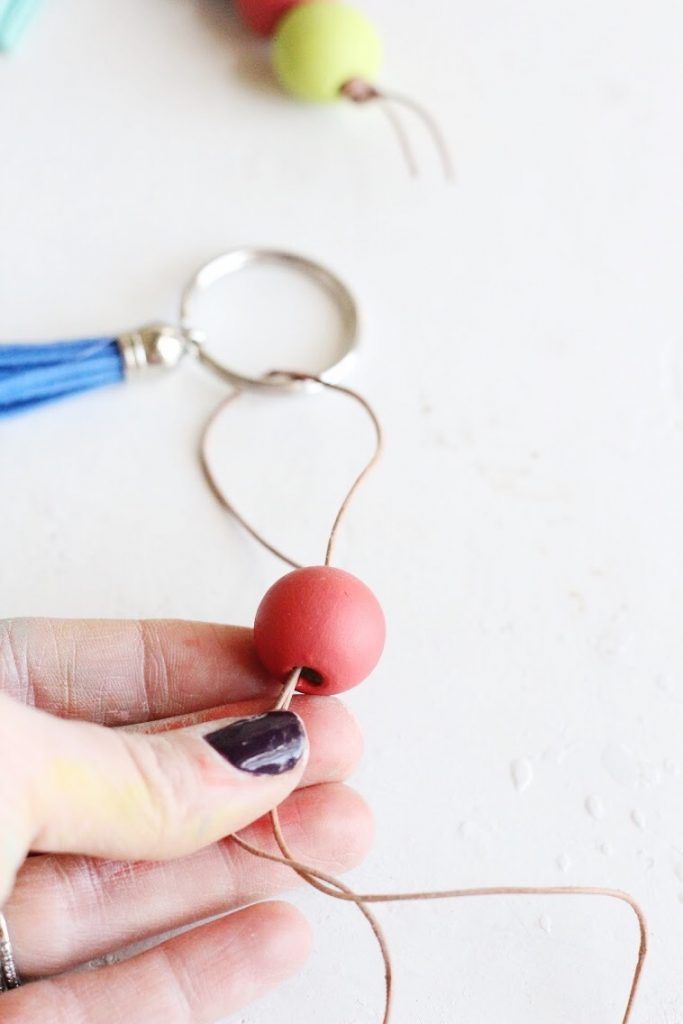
<point x="231" y="263"/>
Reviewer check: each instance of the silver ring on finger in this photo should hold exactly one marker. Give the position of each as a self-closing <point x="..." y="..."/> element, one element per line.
<point x="9" y="976"/>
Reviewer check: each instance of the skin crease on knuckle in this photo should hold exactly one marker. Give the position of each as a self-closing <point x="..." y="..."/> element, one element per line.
<point x="14" y="674"/>
<point x="156" y="670"/>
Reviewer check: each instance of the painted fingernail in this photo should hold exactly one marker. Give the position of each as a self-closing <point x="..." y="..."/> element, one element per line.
<point x="263" y="745"/>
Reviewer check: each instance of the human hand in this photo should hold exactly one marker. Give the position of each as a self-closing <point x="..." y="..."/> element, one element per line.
<point x="109" y="808"/>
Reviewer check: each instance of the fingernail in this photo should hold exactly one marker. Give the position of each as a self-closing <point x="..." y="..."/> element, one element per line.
<point x="263" y="745"/>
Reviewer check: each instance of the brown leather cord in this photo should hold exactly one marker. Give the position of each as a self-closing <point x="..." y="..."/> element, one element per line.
<point x="331" y="886"/>
<point x="209" y="476"/>
<point x="432" y="126"/>
<point x="359" y="91"/>
<point x="328" y="884"/>
<point x="207" y="469"/>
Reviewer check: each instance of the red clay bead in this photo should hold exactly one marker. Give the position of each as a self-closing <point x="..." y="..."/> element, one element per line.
<point x="263" y="15"/>
<point x="324" y="620"/>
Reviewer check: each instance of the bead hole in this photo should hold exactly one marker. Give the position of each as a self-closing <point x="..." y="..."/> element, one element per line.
<point x="312" y="677"/>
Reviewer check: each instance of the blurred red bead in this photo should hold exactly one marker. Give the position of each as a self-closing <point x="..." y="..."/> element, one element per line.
<point x="263" y="15"/>
<point x="325" y="621"/>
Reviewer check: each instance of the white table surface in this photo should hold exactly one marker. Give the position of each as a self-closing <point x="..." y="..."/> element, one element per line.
<point x="523" y="336"/>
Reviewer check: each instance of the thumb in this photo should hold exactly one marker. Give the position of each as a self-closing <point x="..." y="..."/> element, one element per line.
<point x="82" y="788"/>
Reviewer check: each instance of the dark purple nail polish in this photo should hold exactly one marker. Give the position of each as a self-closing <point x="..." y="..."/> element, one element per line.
<point x="263" y="745"/>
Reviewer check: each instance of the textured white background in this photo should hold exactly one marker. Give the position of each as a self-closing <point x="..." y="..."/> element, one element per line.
<point x="525" y="531"/>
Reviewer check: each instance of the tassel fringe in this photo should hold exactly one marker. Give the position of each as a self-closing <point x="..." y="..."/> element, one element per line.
<point x="33" y="374"/>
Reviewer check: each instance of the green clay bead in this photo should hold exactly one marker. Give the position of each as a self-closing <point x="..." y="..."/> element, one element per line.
<point x="320" y="46"/>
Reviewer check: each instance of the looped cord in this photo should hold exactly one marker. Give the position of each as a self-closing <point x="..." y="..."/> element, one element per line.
<point x="359" y="91"/>
<point x="320" y="880"/>
<point x="211" y="479"/>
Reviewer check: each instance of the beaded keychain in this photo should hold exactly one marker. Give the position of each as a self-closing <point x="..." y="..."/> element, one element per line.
<point x="318" y="629"/>
<point x="325" y="51"/>
<point x="322" y="51"/>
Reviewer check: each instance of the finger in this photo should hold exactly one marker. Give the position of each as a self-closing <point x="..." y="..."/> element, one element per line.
<point x="335" y="737"/>
<point x="67" y="910"/>
<point x="104" y="792"/>
<point x="118" y="671"/>
<point x="192" y="979"/>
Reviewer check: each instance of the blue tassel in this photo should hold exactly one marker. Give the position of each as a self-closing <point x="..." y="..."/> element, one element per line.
<point x="33" y="374"/>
